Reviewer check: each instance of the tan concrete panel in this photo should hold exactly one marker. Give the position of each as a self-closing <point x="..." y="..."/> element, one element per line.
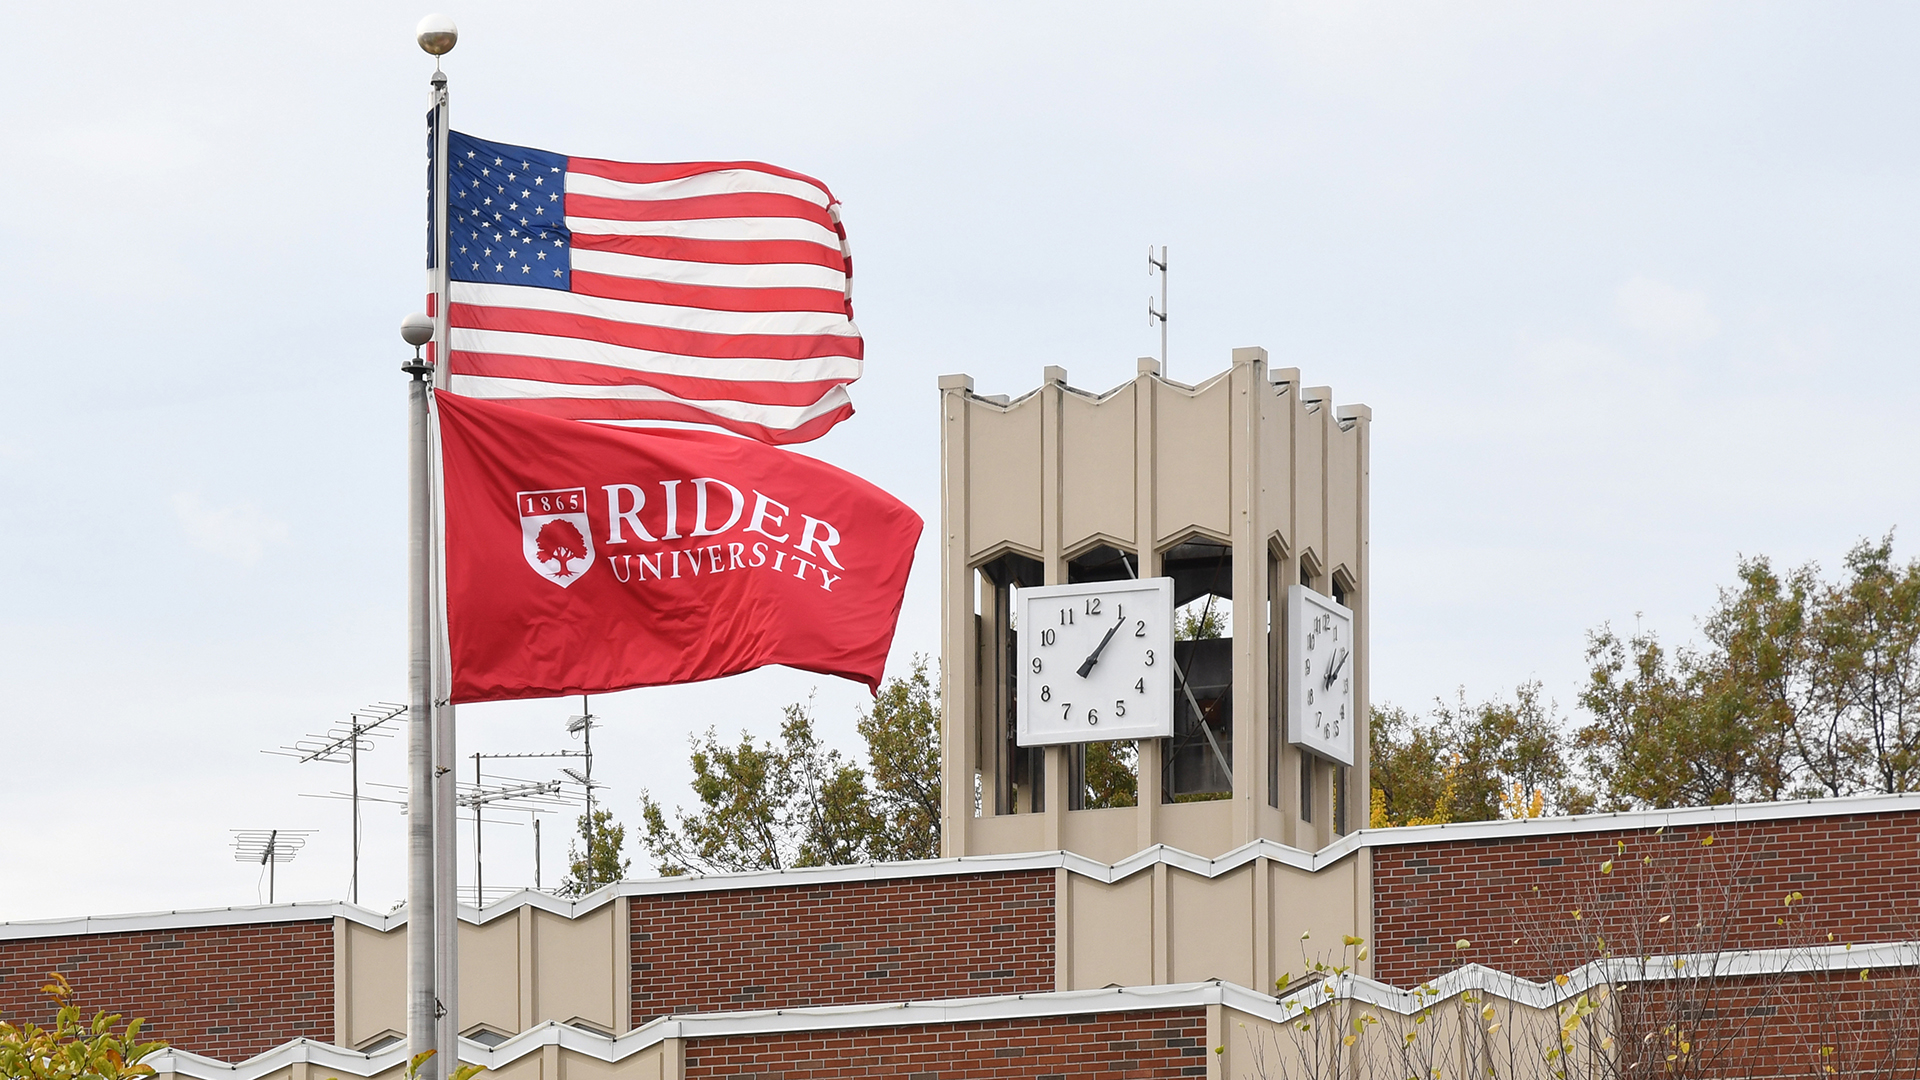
<point x="1097" y="480"/>
<point x="645" y="1065"/>
<point x="1009" y="834"/>
<point x="1112" y="928"/>
<point x="575" y="966"/>
<point x="1320" y="904"/>
<point x="1308" y="456"/>
<point x="1106" y="834"/>
<point x="1343" y="496"/>
<point x="1211" y="923"/>
<point x="1191" y="479"/>
<point x="376" y="983"/>
<point x="526" y="1068"/>
<point x="1203" y="828"/>
<point x="490" y="975"/>
<point x="1276" y="464"/>
<point x="1003" y="475"/>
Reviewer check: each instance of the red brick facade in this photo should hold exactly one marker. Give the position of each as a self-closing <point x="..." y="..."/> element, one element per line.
<point x="1828" y="1025"/>
<point x="843" y="944"/>
<point x="1135" y="1046"/>
<point x="1540" y="905"/>
<point x="227" y="991"/>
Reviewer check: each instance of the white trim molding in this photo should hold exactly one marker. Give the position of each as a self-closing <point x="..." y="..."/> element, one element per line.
<point x="1470" y="978"/>
<point x="1159" y="854"/>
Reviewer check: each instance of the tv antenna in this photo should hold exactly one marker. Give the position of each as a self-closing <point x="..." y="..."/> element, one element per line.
<point x="583" y="726"/>
<point x="1159" y="264"/>
<point x="343" y="743"/>
<point x="525" y="794"/>
<point x="269" y="848"/>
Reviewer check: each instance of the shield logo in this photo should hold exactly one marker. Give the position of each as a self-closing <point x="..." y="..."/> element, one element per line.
<point x="554" y="533"/>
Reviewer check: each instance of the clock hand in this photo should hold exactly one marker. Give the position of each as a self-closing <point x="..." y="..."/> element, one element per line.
<point x="1087" y="664"/>
<point x="1333" y="670"/>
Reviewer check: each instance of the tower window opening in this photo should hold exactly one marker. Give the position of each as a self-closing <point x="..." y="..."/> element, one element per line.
<point x="1012" y="777"/>
<point x="1198" y="764"/>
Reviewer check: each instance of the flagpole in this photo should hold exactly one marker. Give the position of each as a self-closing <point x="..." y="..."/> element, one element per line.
<point x="432" y="902"/>
<point x="446" y="909"/>
<point x="422" y="1002"/>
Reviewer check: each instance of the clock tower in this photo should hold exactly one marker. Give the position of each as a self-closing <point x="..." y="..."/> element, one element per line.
<point x="1154" y="614"/>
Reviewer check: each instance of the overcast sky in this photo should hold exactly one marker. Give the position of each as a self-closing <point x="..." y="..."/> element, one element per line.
<point x="1629" y="287"/>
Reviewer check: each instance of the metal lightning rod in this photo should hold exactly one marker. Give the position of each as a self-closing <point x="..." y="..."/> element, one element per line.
<point x="1159" y="264"/>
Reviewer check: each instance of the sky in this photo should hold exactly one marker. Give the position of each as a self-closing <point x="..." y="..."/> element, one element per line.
<point x="1630" y="289"/>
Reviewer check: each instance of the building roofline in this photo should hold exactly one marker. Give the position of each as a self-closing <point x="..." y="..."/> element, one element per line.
<point x="1159" y="854"/>
<point x="1468" y="978"/>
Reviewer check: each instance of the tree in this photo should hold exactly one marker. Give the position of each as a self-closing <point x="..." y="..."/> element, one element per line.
<point x="559" y="541"/>
<point x="1702" y="726"/>
<point x="71" y="1050"/>
<point x="766" y="806"/>
<point x="1465" y="762"/>
<point x="902" y="733"/>
<point x="1865" y="658"/>
<point x="1112" y="774"/>
<point x="1653" y="741"/>
<point x="600" y="862"/>
<point x="1801" y="688"/>
<point x="798" y="802"/>
<point x="1200" y="621"/>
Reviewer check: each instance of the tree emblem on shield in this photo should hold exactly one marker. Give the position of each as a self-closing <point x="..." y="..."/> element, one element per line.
<point x="555" y="535"/>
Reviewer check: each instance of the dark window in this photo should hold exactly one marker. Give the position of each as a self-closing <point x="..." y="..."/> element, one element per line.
<point x="1199" y="760"/>
<point x="1019" y="771"/>
<point x="1340" y="773"/>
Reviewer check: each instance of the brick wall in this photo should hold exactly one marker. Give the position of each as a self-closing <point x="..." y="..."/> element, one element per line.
<point x="1540" y="905"/>
<point x="843" y="944"/>
<point x="1827" y="1025"/>
<point x="229" y="991"/>
<point x="1170" y="1043"/>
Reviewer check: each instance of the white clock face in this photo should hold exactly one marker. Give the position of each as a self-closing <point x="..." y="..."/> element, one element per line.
<point x="1096" y="662"/>
<point x="1320" y="680"/>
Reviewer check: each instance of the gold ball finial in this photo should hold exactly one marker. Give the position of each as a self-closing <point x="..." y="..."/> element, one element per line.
<point x="436" y="34"/>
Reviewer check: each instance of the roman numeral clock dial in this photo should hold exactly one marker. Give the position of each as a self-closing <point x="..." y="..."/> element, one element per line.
<point x="1096" y="662"/>
<point x="1320" y="683"/>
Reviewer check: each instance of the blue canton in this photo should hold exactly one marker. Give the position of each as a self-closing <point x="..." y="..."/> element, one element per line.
<point x="507" y="212"/>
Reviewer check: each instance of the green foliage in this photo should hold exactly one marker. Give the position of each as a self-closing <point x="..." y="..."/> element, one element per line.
<point x="902" y="734"/>
<point x="1799" y="687"/>
<point x="1803" y="688"/>
<point x="596" y="861"/>
<point x="1200" y="620"/>
<point x="1462" y="762"/>
<point x="1112" y="775"/>
<point x="72" y="1050"/>
<point x="798" y="802"/>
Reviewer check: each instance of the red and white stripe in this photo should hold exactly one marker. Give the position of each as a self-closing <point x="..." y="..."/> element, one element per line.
<point x="712" y="293"/>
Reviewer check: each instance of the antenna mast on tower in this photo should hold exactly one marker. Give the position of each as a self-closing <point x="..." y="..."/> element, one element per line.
<point x="1159" y="264"/>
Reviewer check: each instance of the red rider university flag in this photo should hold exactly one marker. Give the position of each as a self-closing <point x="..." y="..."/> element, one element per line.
<point x="582" y="558"/>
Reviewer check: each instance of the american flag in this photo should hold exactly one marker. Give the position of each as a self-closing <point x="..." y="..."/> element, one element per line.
<point x="711" y="293"/>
